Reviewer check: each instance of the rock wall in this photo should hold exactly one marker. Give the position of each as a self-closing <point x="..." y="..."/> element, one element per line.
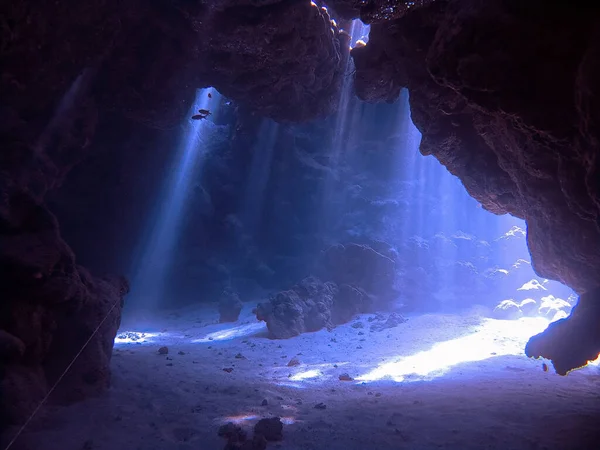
<point x="505" y="94"/>
<point x="71" y="71"/>
<point x="50" y="308"/>
<point x="482" y="96"/>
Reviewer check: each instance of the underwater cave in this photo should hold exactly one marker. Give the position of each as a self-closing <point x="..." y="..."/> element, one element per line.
<point x="295" y="224"/>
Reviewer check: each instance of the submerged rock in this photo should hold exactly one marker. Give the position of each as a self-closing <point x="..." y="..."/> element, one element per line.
<point x="305" y="307"/>
<point x="230" y="307"/>
<point x="529" y="307"/>
<point x="571" y="342"/>
<point x="271" y="429"/>
<point x="392" y="321"/>
<point x="550" y="306"/>
<point x="507" y="310"/>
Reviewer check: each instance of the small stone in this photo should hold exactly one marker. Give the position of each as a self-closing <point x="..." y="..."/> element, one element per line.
<point x="271" y="429"/>
<point x="163" y="350"/>
<point x="232" y="432"/>
<point x="320" y="406"/>
<point x="169" y="364"/>
<point x="358" y="325"/>
<point x="345" y="377"/>
<point x="228" y="369"/>
<point x="180" y="353"/>
<point x="240" y="356"/>
<point x="360" y="333"/>
<point x="294" y="362"/>
<point x="265" y="402"/>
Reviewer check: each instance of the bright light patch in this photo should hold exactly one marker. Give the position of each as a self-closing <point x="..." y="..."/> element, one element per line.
<point x="306" y="375"/>
<point x="231" y="333"/>
<point x="135" y="337"/>
<point x="288" y="420"/>
<point x="240" y="419"/>
<point x="492" y="338"/>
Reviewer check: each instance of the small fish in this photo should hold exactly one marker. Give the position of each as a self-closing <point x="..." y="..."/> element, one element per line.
<point x="202" y="114"/>
<point x="545" y="367"/>
<point x="209" y="95"/>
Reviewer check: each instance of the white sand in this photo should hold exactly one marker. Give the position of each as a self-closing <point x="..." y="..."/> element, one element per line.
<point x="437" y="381"/>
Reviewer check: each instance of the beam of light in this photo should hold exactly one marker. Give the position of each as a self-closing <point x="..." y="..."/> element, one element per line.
<point x="135" y="337"/>
<point x="69" y="101"/>
<point x="258" y="176"/>
<point x="345" y="133"/>
<point x="493" y="338"/>
<point x="359" y="33"/>
<point x="232" y="333"/>
<point x="150" y="276"/>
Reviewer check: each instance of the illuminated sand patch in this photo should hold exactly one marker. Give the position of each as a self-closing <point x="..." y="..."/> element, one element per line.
<point x="492" y="338"/>
<point x="232" y="333"/>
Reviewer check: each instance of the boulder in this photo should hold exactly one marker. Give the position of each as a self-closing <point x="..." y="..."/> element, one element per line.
<point x="507" y="310"/>
<point x="529" y="307"/>
<point x="305" y="307"/>
<point x="550" y="306"/>
<point x="230" y="306"/>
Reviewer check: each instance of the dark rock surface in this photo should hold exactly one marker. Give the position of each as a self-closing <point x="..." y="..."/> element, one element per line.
<point x="572" y="342"/>
<point x="50" y="308"/>
<point x="271" y="429"/>
<point x="303" y="308"/>
<point x="521" y="140"/>
<point x="375" y="11"/>
<point x="282" y="59"/>
<point x="481" y="94"/>
<point x="71" y="68"/>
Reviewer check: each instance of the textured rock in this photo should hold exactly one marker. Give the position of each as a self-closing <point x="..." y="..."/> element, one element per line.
<point x="230" y="307"/>
<point x="507" y="310"/>
<point x="359" y="265"/>
<point x="50" y="308"/>
<point x="550" y="306"/>
<point x="374" y="11"/>
<point x="572" y="342"/>
<point x="358" y="279"/>
<point x="477" y="73"/>
<point x="303" y="308"/>
<point x="528" y="306"/>
<point x="284" y="60"/>
<point x="271" y="429"/>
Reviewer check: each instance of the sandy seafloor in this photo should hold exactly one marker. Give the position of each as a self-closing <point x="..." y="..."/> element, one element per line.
<point x="434" y="382"/>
